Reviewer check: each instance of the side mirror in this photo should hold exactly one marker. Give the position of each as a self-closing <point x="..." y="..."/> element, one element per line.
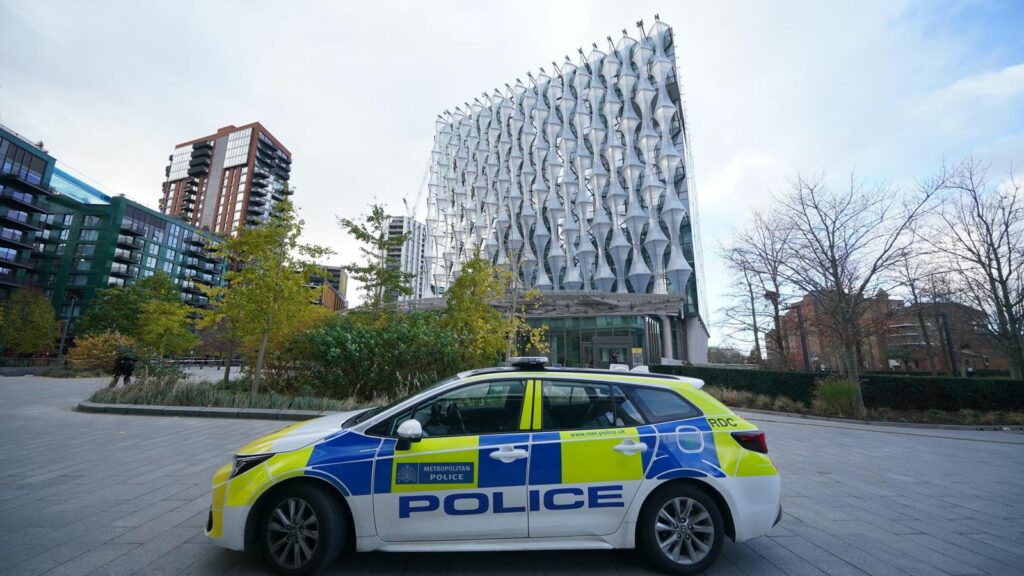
<point x="408" y="432"/>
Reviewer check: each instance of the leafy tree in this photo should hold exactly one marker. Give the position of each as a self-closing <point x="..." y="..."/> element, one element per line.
<point x="165" y="327"/>
<point x="381" y="283"/>
<point x="483" y="331"/>
<point x="29" y="326"/>
<point x="470" y="313"/>
<point x="98" y="351"/>
<point x="267" y="298"/>
<point x="120" y="309"/>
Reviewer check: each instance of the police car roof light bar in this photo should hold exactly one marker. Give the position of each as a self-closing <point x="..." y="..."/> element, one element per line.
<point x="528" y="362"/>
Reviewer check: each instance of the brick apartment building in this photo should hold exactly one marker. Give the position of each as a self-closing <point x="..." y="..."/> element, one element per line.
<point x="897" y="337"/>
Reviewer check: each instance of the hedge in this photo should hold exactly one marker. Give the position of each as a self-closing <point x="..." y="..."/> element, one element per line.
<point x="797" y="386"/>
<point x="879" y="390"/>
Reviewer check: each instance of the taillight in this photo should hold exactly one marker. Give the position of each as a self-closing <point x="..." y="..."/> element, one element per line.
<point x="752" y="440"/>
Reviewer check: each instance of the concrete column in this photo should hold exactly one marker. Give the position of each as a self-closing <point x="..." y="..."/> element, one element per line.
<point x="666" y="337"/>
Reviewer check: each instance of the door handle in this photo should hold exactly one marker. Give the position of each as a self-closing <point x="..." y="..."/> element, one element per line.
<point x="630" y="447"/>
<point x="508" y="454"/>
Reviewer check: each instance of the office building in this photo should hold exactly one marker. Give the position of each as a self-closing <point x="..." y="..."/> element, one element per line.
<point x="334" y="283"/>
<point x="25" y="171"/>
<point x="227" y="179"/>
<point x="92" y="240"/>
<point x="580" y="180"/>
<point x="410" y="257"/>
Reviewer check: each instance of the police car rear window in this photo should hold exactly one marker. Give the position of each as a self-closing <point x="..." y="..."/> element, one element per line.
<point x="660" y="405"/>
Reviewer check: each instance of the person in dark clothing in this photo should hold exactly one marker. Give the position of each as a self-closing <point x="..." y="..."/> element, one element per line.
<point x="124" y="365"/>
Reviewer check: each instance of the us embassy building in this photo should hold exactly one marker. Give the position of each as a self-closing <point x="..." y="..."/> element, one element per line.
<point x="578" y="180"/>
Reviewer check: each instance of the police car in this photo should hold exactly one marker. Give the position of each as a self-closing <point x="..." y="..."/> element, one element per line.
<point x="519" y="458"/>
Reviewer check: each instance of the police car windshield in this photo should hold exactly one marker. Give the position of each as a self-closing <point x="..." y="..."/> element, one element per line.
<point x="367" y="414"/>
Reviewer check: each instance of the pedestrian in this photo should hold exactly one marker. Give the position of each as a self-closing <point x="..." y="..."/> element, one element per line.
<point x="124" y="366"/>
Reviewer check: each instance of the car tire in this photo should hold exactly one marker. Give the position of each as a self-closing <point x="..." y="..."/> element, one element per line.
<point x="680" y="529"/>
<point x="302" y="530"/>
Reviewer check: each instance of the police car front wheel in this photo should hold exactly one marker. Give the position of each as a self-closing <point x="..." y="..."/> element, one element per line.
<point x="680" y="529"/>
<point x="303" y="530"/>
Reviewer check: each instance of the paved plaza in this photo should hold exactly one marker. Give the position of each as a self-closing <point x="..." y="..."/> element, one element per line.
<point x="116" y="495"/>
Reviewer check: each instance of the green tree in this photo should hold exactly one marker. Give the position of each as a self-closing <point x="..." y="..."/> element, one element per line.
<point x="28" y="326"/>
<point x="380" y="282"/>
<point x="120" y="309"/>
<point x="483" y="331"/>
<point x="166" y="327"/>
<point x="267" y="297"/>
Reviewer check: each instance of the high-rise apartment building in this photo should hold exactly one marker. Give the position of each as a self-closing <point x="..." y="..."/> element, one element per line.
<point x="93" y="240"/>
<point x="227" y="179"/>
<point x="580" y="179"/>
<point x="25" y="171"/>
<point x="410" y="257"/>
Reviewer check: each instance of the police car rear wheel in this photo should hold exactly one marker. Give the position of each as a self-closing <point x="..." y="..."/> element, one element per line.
<point x="302" y="530"/>
<point x="681" y="529"/>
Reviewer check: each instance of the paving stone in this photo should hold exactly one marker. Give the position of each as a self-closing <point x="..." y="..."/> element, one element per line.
<point x="115" y="495"/>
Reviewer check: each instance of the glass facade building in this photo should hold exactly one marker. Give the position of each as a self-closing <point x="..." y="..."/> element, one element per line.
<point x="580" y="181"/>
<point x="228" y="179"/>
<point x="92" y="240"/>
<point x="25" y="171"/>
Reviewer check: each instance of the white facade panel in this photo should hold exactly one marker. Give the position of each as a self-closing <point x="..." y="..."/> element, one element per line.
<point x="578" y="179"/>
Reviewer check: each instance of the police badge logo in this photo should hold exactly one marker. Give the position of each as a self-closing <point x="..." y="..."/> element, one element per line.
<point x="407" y="474"/>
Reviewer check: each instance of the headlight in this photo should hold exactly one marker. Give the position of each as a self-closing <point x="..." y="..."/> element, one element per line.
<point x="245" y="463"/>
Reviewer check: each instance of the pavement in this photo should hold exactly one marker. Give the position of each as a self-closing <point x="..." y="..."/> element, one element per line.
<point x="116" y="495"/>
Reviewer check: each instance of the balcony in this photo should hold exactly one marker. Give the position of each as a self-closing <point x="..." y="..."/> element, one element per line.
<point x="15" y="239"/>
<point x="196" y="299"/>
<point x="202" y="153"/>
<point x="23" y="261"/>
<point x="281" y="173"/>
<point x="13" y="279"/>
<point x="129" y="242"/>
<point x="132" y="228"/>
<point x="123" y="271"/>
<point x="256" y="200"/>
<point x="22" y="201"/>
<point x="35" y="187"/>
<point x="18" y="219"/>
<point x="198" y="170"/>
<point x="126" y="256"/>
<point x="205" y="145"/>
<point x="259" y="174"/>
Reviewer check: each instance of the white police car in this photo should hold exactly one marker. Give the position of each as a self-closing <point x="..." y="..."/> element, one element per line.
<point x="522" y="458"/>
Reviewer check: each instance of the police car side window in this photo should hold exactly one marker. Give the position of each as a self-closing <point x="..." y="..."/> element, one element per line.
<point x="586" y="406"/>
<point x="660" y="405"/>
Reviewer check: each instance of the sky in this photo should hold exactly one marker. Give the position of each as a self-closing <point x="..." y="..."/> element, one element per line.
<point x="883" y="89"/>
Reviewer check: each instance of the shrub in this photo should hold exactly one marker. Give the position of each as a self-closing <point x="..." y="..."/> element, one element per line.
<point x="205" y="394"/>
<point x="355" y="356"/>
<point x="97" y="352"/>
<point x="836" y="396"/>
<point x="949" y="394"/>
<point x="879" y="390"/>
<point x="798" y="386"/>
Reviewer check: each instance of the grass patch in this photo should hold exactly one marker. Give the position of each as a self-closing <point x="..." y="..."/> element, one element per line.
<point x="745" y="399"/>
<point x="213" y="395"/>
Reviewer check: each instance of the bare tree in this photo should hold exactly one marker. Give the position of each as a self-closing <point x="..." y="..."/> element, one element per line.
<point x="845" y="244"/>
<point x="766" y="243"/>
<point x="916" y="274"/>
<point x="982" y="233"/>
<point x="741" y="317"/>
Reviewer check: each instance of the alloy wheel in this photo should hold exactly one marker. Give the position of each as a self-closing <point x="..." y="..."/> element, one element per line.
<point x="684" y="530"/>
<point x="293" y="532"/>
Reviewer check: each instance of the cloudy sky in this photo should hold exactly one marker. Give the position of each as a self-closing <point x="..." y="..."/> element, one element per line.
<point x="884" y="88"/>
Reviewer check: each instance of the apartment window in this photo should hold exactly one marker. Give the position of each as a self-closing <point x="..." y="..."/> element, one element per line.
<point x="89" y="235"/>
<point x="78" y="279"/>
<point x="86" y="249"/>
<point x="150" y="262"/>
<point x="90" y="221"/>
<point x="168" y="267"/>
<point x="152" y="248"/>
<point x="83" y="265"/>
